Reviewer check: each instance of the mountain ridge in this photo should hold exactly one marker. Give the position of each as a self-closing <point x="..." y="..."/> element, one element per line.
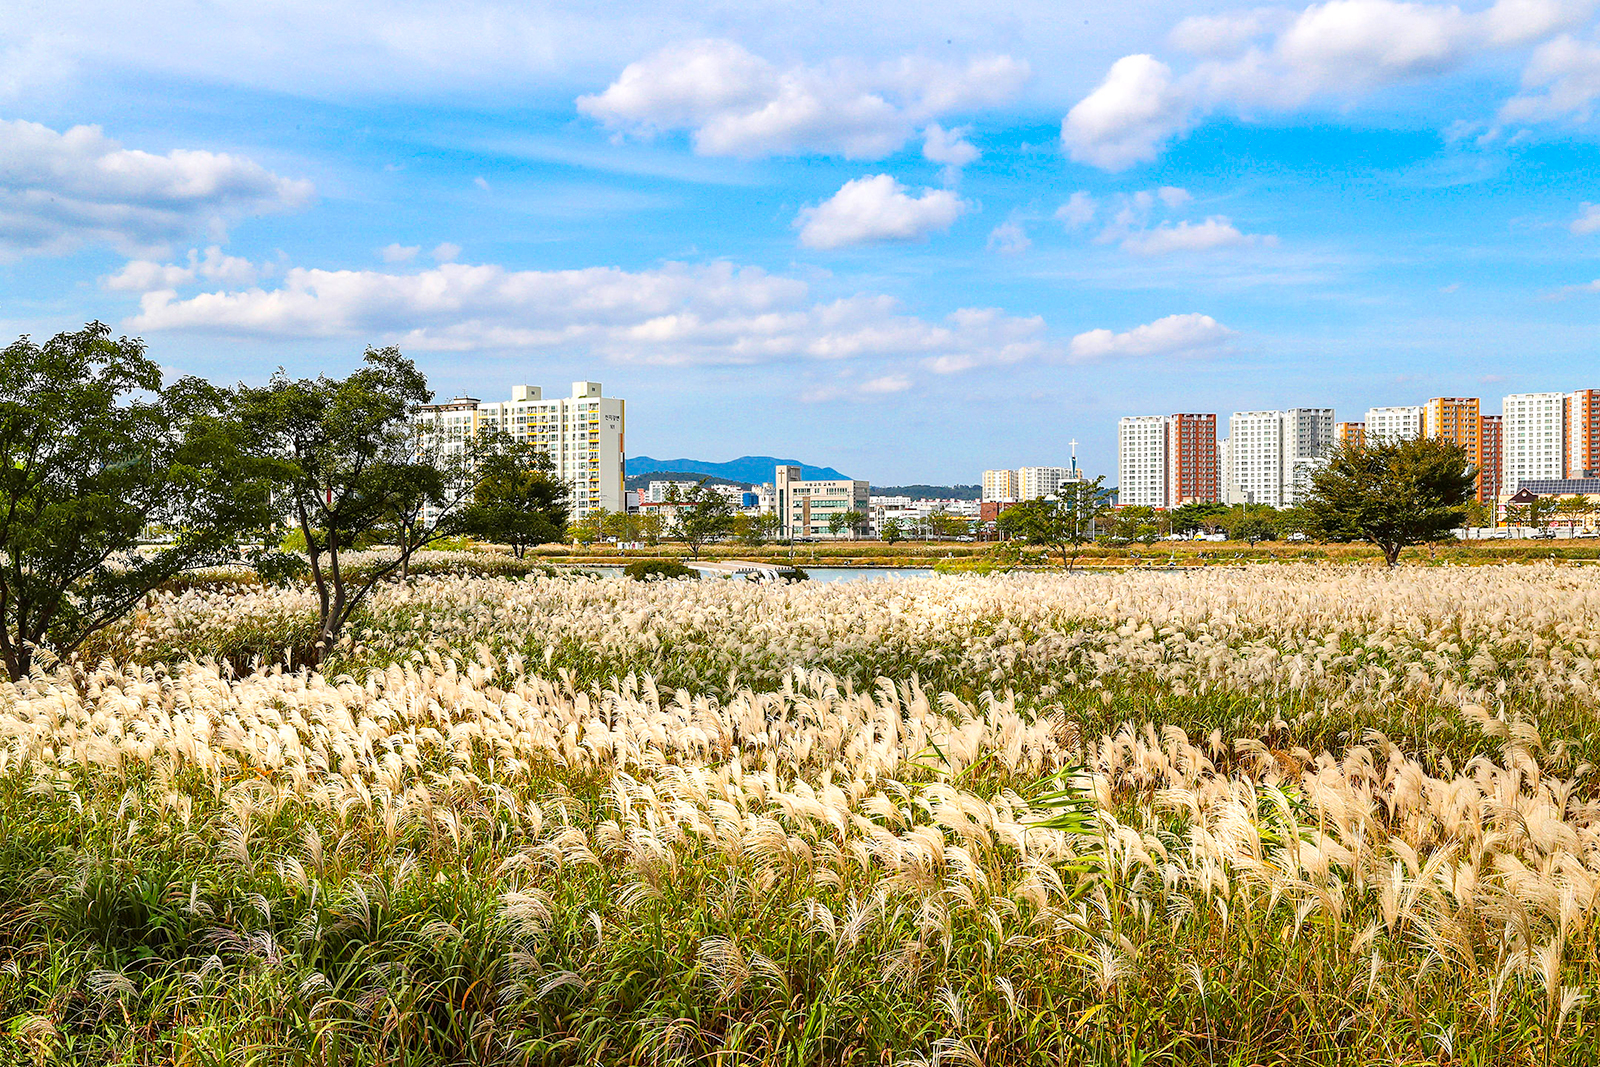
<point x="755" y="469"/>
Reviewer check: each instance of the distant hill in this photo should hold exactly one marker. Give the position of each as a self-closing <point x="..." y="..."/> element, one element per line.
<point x="755" y="469"/>
<point x="931" y="492"/>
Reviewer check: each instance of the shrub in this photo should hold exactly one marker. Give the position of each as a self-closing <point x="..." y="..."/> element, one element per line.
<point x="645" y="570"/>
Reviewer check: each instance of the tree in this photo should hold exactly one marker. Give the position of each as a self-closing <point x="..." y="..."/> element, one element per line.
<point x="1572" y="508"/>
<point x="854" y="521"/>
<point x="620" y="526"/>
<point x="890" y="531"/>
<point x="519" y="500"/>
<point x="1391" y="493"/>
<point x="589" y="529"/>
<point x="1479" y="514"/>
<point x="1251" y="523"/>
<point x="92" y="451"/>
<point x="943" y="524"/>
<point x="1196" y="516"/>
<point x="840" y="521"/>
<point x="755" y="530"/>
<point x="652" y="527"/>
<point x="700" y="515"/>
<point x="341" y="453"/>
<point x="1066" y="523"/>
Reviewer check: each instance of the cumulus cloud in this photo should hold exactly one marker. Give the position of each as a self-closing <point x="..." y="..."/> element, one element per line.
<point x="1009" y="238"/>
<point x="1336" y="49"/>
<point x="1128" y="118"/>
<point x="144" y="275"/>
<point x="1131" y="226"/>
<point x="445" y="252"/>
<point x="1185" y="236"/>
<point x="1078" y="211"/>
<point x="1173" y="335"/>
<point x="949" y="147"/>
<point x="877" y="208"/>
<point x="399" y="253"/>
<point x="712" y="314"/>
<point x="1588" y="220"/>
<point x="59" y="191"/>
<point x="1562" y="80"/>
<point x="735" y="103"/>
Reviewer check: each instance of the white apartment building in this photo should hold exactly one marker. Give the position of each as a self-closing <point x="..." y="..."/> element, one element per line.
<point x="657" y="491"/>
<point x="1535" y="437"/>
<point x="1142" y="461"/>
<point x="1036" y="482"/>
<point x="583" y="434"/>
<point x="1270" y="455"/>
<point x="1001" y="485"/>
<point x="1395" y="424"/>
<point x="804" y="507"/>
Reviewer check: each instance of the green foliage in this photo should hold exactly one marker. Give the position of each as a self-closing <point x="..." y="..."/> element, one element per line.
<point x="1193" y="517"/>
<point x="1250" y="523"/>
<point x="701" y="515"/>
<point x="93" y="449"/>
<point x="1391" y="493"/>
<point x="1065" y="523"/>
<point x="652" y="569"/>
<point x="891" y="531"/>
<point x="755" y="530"/>
<point x="520" y="500"/>
<point x="345" y="462"/>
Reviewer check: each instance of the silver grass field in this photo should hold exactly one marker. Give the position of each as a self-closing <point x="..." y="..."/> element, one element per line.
<point x="1286" y="814"/>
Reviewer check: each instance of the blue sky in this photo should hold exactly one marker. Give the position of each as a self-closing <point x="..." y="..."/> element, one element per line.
<point x="906" y="241"/>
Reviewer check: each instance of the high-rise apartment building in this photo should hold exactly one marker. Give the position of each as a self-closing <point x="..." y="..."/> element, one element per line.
<point x="1394" y="424"/>
<point x="1001" y="486"/>
<point x="1350" y="433"/>
<point x="1272" y="454"/>
<point x="1491" y="437"/>
<point x="1142" y="461"/>
<point x="804" y="507"/>
<point x="582" y="433"/>
<point x="1164" y="461"/>
<point x="1535" y="437"/>
<point x="1036" y="482"/>
<point x="1583" y="434"/>
<point x="1457" y="419"/>
<point x="1193" y="474"/>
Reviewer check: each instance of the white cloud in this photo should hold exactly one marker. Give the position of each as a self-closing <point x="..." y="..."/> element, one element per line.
<point x="1009" y="238"/>
<point x="144" y="275"/>
<point x="871" y="389"/>
<point x="1562" y="80"/>
<point x="877" y="208"/>
<point x="1338" y="48"/>
<point x="949" y="147"/>
<point x="445" y="252"/>
<point x="481" y="182"/>
<point x="1583" y="289"/>
<point x="1588" y="220"/>
<point x="59" y="191"/>
<point x="399" y="253"/>
<point x="712" y="314"/>
<point x="1173" y="197"/>
<point x="1215" y="232"/>
<point x="1173" y="335"/>
<point x="1078" y="211"/>
<point x="736" y="103"/>
<point x="1128" y="117"/>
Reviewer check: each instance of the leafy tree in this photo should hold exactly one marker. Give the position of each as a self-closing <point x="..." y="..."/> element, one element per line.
<point x="755" y="530"/>
<point x="1536" y="513"/>
<point x="1479" y="514"/>
<point x="1065" y="524"/>
<point x="840" y="521"/>
<point x="890" y="531"/>
<point x="519" y="500"/>
<point x="1251" y="523"/>
<point x="1391" y="493"/>
<point x="1294" y="520"/>
<point x="341" y="453"/>
<point x="620" y="526"/>
<point x="943" y="524"/>
<point x="700" y="515"/>
<point x="92" y="451"/>
<point x="589" y="529"/>
<point x="1193" y="517"/>
<point x="1572" y="508"/>
<point x="652" y="527"/>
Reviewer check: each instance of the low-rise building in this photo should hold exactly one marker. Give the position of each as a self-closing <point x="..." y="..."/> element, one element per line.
<point x="804" y="507"/>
